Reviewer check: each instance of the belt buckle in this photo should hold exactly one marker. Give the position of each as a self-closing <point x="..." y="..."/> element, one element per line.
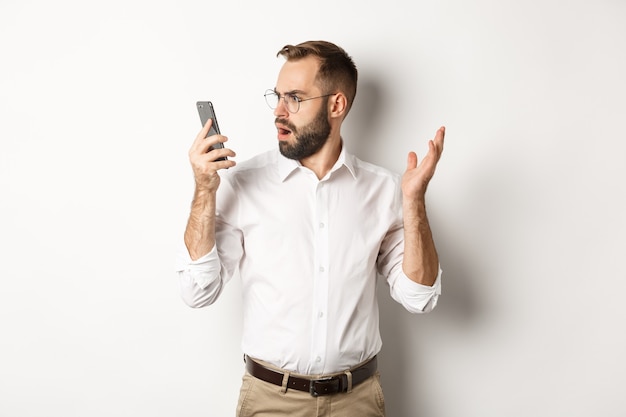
<point x="325" y="382"/>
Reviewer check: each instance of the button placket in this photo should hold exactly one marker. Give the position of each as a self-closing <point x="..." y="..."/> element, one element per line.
<point x="320" y="297"/>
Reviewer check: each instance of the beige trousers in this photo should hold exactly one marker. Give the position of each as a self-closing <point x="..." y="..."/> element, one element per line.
<point x="258" y="398"/>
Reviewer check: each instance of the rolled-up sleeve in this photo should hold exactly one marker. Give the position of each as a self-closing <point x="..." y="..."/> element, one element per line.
<point x="416" y="298"/>
<point x="199" y="280"/>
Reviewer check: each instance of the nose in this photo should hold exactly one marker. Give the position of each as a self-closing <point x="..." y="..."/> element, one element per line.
<point x="281" y="109"/>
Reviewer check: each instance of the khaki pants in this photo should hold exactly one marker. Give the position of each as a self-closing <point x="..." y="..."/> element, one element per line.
<point x="262" y="399"/>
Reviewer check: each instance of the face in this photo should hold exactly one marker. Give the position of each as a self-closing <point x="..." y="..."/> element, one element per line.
<point x="304" y="133"/>
<point x="307" y="139"/>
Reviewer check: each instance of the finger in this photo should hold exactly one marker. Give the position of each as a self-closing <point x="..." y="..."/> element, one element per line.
<point x="207" y="163"/>
<point x="216" y="142"/>
<point x="439" y="139"/>
<point x="216" y="153"/>
<point x="435" y="146"/>
<point x="213" y="161"/>
<point x="206" y="127"/>
<point x="202" y="134"/>
<point x="411" y="161"/>
<point x="431" y="156"/>
<point x="205" y="145"/>
<point x="225" y="164"/>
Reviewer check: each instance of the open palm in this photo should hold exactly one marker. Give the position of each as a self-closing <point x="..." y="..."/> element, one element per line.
<point x="417" y="176"/>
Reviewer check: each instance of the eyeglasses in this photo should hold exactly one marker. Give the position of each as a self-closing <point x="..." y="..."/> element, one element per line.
<point x="292" y="101"/>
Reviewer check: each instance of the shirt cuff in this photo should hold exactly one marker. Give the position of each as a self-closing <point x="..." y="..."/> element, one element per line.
<point x="419" y="298"/>
<point x="203" y="270"/>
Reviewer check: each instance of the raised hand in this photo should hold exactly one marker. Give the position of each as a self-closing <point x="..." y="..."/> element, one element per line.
<point x="204" y="159"/>
<point x="416" y="177"/>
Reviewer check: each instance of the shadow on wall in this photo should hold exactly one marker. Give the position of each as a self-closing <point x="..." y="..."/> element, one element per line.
<point x="400" y="356"/>
<point x="360" y="130"/>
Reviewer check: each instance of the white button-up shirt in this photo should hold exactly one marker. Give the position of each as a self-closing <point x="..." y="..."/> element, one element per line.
<point x="309" y="253"/>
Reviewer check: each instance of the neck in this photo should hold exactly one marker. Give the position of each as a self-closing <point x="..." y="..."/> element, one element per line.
<point x="323" y="160"/>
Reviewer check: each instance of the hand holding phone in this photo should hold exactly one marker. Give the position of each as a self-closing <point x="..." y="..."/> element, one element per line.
<point x="206" y="112"/>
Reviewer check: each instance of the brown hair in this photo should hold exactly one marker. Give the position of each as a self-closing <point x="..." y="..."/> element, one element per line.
<point x="337" y="71"/>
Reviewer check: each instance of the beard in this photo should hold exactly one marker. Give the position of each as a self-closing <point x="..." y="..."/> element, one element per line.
<point x="308" y="139"/>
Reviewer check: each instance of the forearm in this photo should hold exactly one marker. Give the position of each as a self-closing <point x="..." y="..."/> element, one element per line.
<point x="200" y="230"/>
<point x="420" y="262"/>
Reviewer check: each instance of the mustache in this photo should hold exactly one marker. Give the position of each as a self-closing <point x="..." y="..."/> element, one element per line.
<point x="285" y="123"/>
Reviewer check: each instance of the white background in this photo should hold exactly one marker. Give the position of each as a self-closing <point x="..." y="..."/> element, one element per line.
<point x="97" y="114"/>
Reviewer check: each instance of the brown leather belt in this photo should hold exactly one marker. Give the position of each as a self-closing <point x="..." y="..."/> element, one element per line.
<point x="316" y="387"/>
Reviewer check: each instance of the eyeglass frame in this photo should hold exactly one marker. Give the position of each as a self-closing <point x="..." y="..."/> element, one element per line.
<point x="298" y="100"/>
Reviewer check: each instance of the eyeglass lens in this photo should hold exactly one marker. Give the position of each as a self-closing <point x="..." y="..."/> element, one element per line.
<point x="272" y="99"/>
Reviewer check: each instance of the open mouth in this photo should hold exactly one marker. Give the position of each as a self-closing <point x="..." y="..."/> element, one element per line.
<point x="283" y="131"/>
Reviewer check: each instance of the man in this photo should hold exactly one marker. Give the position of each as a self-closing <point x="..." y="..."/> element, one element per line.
<point x="309" y="228"/>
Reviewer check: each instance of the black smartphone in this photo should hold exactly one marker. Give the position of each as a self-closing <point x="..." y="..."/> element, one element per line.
<point x="206" y="112"/>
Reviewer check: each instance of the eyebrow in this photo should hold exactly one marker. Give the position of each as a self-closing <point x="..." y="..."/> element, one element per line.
<point x="292" y="92"/>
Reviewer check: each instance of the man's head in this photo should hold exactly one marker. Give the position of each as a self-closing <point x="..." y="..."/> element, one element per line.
<point x="337" y="71"/>
<point x="314" y="92"/>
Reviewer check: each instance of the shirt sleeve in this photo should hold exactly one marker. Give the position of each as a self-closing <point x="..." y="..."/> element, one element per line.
<point x="416" y="298"/>
<point x="199" y="280"/>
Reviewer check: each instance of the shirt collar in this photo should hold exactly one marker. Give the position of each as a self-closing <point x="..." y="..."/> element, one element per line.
<point x="286" y="166"/>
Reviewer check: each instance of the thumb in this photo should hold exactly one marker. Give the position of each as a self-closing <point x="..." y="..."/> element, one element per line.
<point x="411" y="161"/>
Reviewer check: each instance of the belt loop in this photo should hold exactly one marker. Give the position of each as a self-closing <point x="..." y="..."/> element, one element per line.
<point x="349" y="375"/>
<point x="283" y="388"/>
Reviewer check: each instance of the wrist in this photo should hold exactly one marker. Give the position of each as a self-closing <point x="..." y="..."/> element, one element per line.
<point x="414" y="207"/>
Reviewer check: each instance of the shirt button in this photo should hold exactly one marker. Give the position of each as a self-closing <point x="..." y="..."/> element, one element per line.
<point x="321" y="269"/>
<point x="321" y="225"/>
<point x="320" y="314"/>
<point x="318" y="359"/>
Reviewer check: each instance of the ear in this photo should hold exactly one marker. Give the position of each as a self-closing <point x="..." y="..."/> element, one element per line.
<point x="337" y="105"/>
